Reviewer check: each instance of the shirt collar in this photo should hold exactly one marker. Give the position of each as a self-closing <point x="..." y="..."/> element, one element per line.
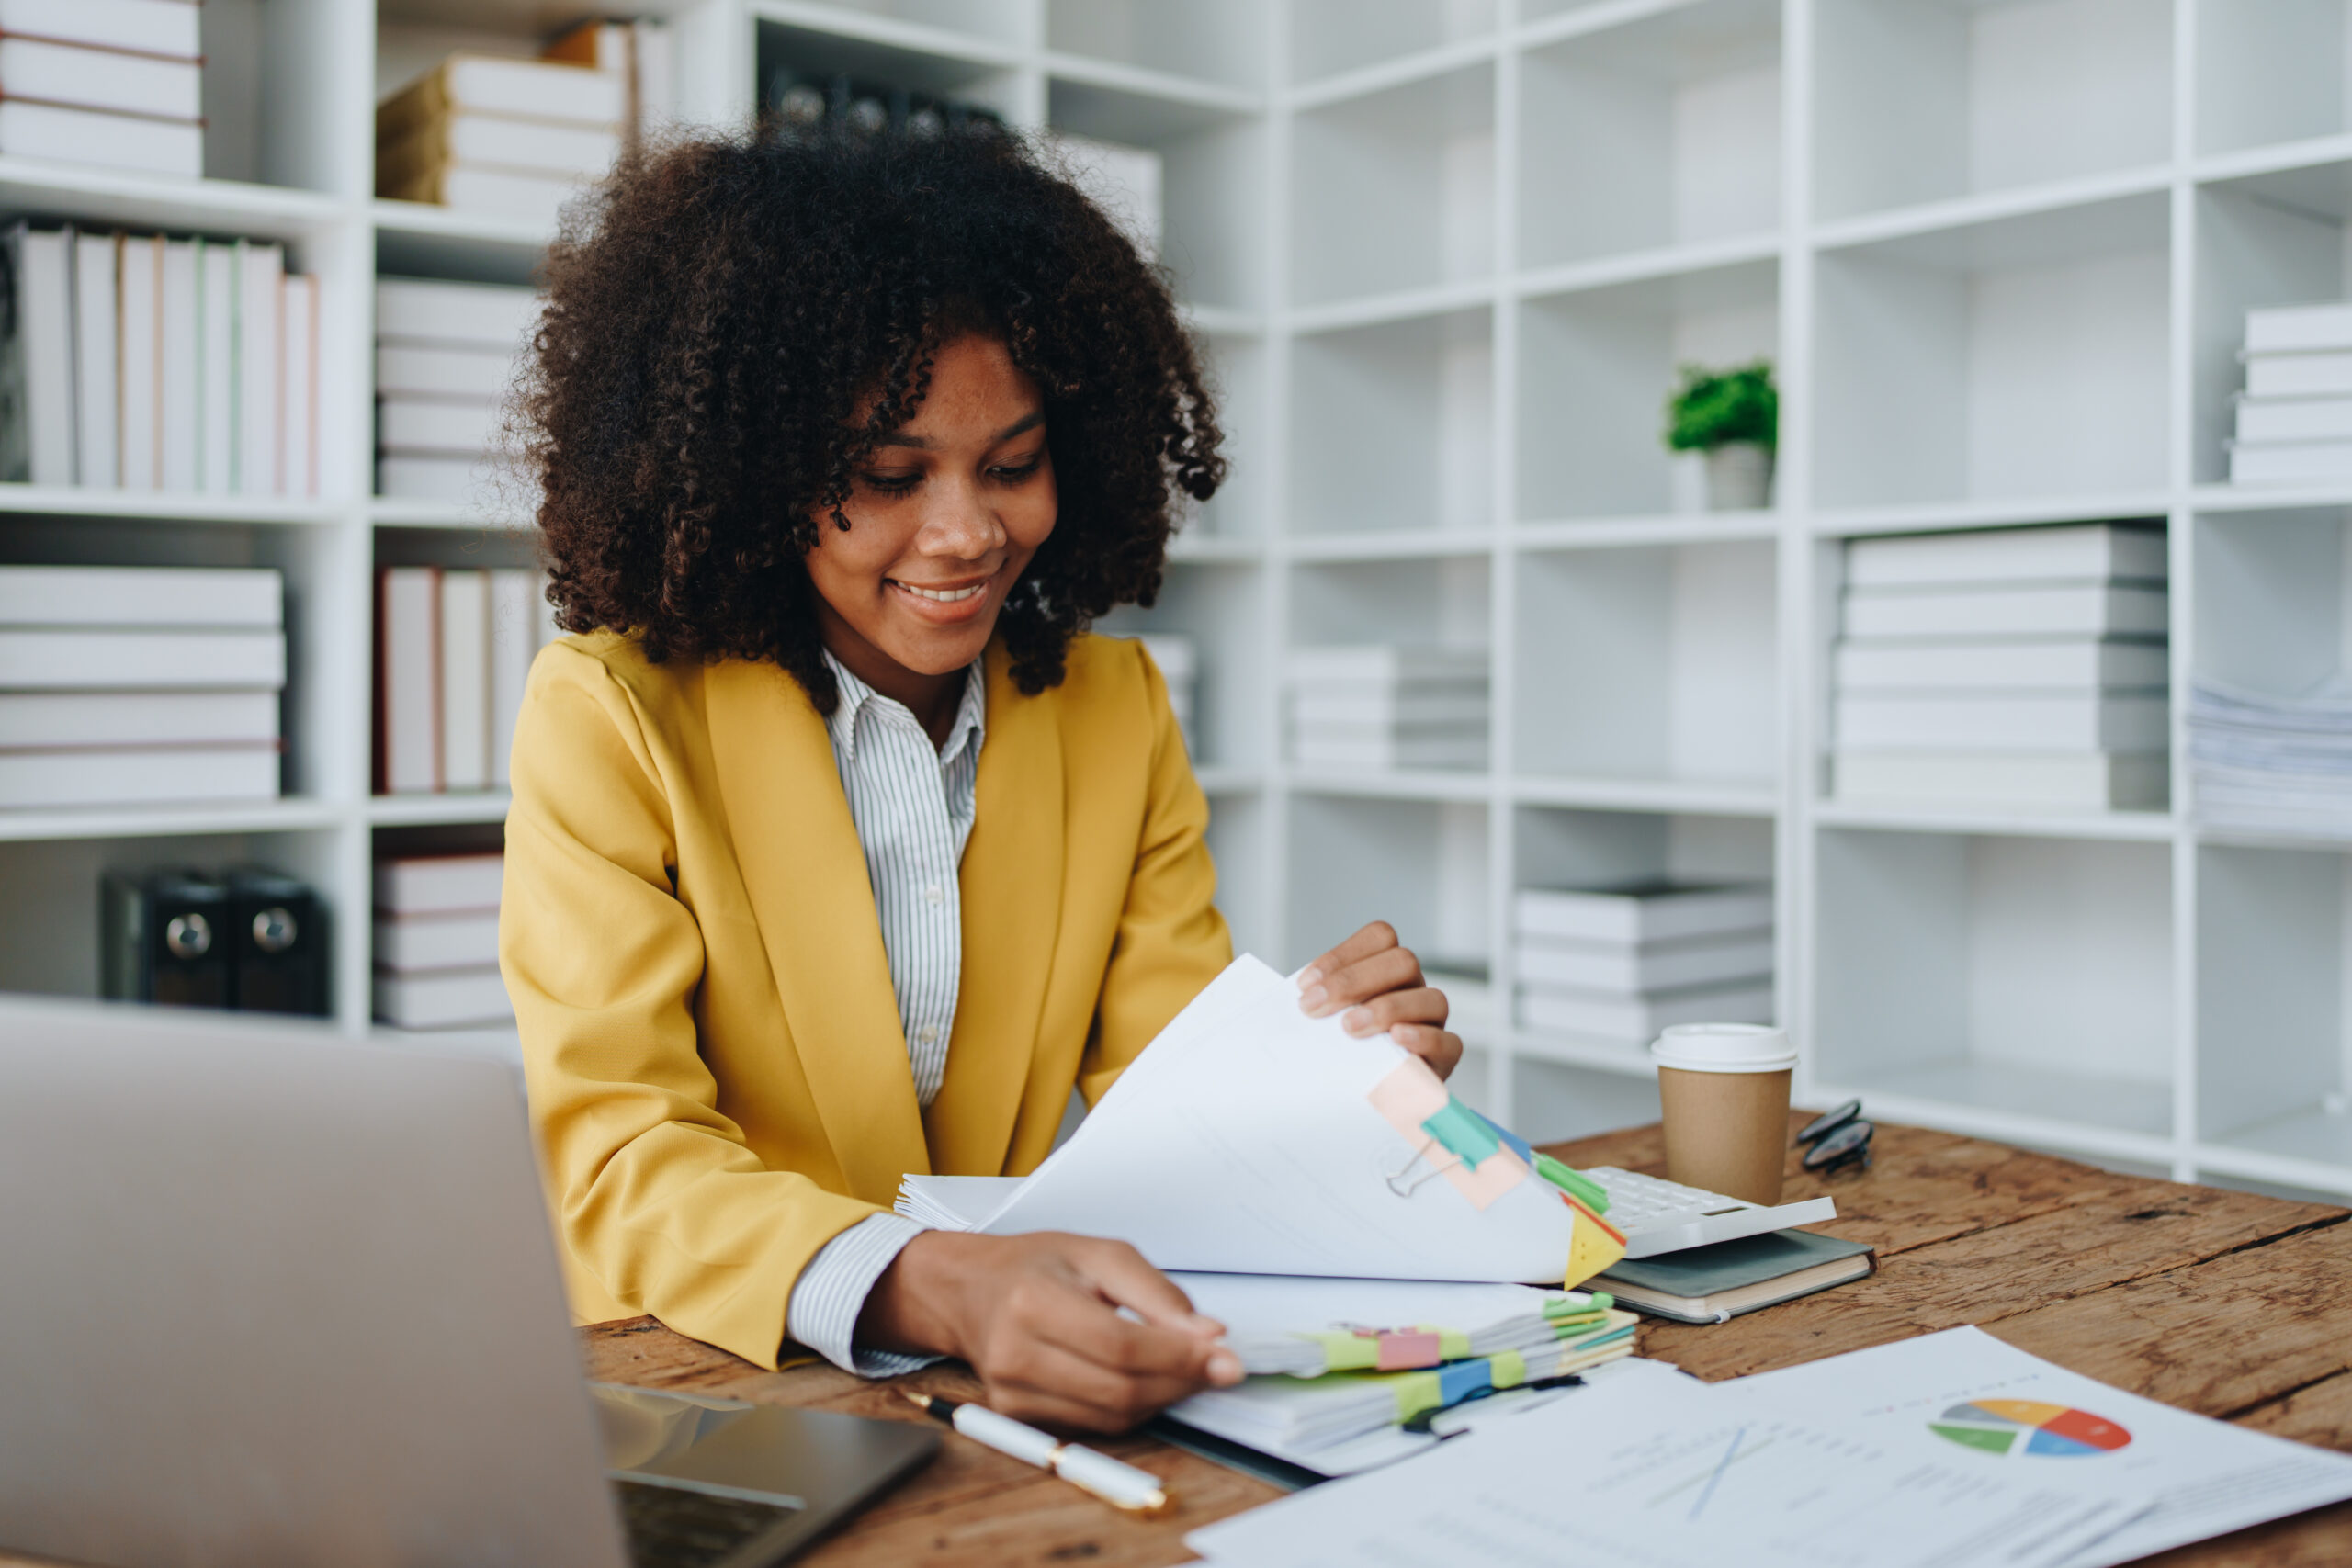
<point x="970" y="727"/>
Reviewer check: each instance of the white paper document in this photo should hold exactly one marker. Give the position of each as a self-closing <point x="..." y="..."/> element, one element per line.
<point x="1962" y="1396"/>
<point x="1250" y="1138"/>
<point x="1664" y="1471"/>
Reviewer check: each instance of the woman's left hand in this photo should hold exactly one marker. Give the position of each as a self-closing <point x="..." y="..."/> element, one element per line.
<point x="1375" y="983"/>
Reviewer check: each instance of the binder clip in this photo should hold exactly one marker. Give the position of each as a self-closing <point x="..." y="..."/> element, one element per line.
<point x="1837" y="1140"/>
<point x="1434" y="1171"/>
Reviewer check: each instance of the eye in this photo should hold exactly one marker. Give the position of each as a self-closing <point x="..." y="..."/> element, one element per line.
<point x="892" y="484"/>
<point x="1014" y="473"/>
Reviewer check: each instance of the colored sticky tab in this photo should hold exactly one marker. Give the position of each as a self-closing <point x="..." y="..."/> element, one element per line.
<point x="1593" y="1246"/>
<point x="1398" y="1351"/>
<point x="1466" y="1135"/>
<point x="1483" y="1185"/>
<point x="1349" y="1352"/>
<point x="1407" y="1096"/>
<point x="1510" y="1140"/>
<point x="1459" y="1381"/>
<point x="1417" y="1391"/>
<point x="1510" y="1369"/>
<point x="1452" y="1344"/>
<point x="1574" y="1183"/>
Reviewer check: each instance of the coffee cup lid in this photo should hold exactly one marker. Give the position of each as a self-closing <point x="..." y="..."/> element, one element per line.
<point x="1725" y="1048"/>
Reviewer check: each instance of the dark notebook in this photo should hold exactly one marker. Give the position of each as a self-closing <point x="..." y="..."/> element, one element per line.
<point x="1711" y="1284"/>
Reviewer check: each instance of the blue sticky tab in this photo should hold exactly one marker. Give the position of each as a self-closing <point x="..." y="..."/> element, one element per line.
<point x="1459" y="1380"/>
<point x="1510" y="1140"/>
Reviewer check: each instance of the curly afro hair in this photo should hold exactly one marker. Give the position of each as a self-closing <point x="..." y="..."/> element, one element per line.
<point x="719" y="313"/>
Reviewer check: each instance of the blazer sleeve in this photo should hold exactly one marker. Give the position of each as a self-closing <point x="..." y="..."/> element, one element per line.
<point x="658" y="1197"/>
<point x="1172" y="942"/>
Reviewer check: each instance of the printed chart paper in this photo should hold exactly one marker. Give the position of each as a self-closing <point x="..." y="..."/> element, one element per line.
<point x="1962" y="1396"/>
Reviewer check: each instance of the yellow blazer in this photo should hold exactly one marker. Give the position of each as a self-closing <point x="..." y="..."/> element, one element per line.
<point x="718" y="1079"/>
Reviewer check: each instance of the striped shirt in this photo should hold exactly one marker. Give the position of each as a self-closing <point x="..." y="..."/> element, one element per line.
<point x="911" y="803"/>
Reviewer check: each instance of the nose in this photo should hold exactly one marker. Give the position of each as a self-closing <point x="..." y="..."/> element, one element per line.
<point x="960" y="523"/>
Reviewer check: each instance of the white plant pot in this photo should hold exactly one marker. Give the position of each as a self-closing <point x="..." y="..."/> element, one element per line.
<point x="1739" y="478"/>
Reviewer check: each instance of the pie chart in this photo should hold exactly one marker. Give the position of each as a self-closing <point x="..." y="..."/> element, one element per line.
<point x="2028" y="1426"/>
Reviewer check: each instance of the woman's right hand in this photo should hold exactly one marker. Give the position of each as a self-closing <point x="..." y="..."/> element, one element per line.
<point x="1037" y="1316"/>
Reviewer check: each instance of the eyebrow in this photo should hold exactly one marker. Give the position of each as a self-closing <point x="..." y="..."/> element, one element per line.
<point x="1018" y="427"/>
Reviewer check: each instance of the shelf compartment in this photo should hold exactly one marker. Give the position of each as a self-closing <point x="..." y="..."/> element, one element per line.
<point x="1595" y="369"/>
<point x="1443" y="601"/>
<point x="1221" y="607"/>
<point x="1653" y="663"/>
<point x="2026" y="357"/>
<point x="1420" y="395"/>
<point x="1210" y="40"/>
<point x="1662" y="131"/>
<point x="1420" y="865"/>
<point x="2273" y="932"/>
<point x="1923" y="102"/>
<point x="2269" y="73"/>
<point x="2276" y="237"/>
<point x="1956" y="969"/>
<point x="920" y="59"/>
<point x="1394" y="191"/>
<point x="1239" y="825"/>
<point x="1329" y="37"/>
<point x="1552" y="1102"/>
<point x="1212" y="190"/>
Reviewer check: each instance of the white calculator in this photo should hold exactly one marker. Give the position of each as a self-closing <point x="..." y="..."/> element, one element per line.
<point x="1658" y="1216"/>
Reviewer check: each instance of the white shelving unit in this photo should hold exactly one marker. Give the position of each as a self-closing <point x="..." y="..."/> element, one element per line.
<point x="1445" y="255"/>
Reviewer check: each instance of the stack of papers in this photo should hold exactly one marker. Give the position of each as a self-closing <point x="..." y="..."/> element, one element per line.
<point x="2272" y="763"/>
<point x="1950" y="1450"/>
<point x="2010" y="666"/>
<point x="1623" y="962"/>
<point x="1357" y="1343"/>
<point x="1381" y="707"/>
<point x="2294" y="420"/>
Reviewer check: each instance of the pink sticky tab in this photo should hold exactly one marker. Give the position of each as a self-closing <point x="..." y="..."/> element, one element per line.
<point x="1409" y="1096"/>
<point x="1497" y="1174"/>
<point x="1403" y="1351"/>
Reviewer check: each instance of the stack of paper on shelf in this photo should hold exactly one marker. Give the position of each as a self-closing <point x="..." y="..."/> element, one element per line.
<point x="2294" y="421"/>
<point x="446" y="356"/>
<point x="113" y="82"/>
<point x="1180" y="668"/>
<point x="2272" y="763"/>
<point x="1623" y="962"/>
<point x="511" y="138"/>
<point x="436" y="941"/>
<point x="1380" y="707"/>
<point x="149" y="363"/>
<point x="139" y="685"/>
<point x="453" y="651"/>
<point x="2016" y="667"/>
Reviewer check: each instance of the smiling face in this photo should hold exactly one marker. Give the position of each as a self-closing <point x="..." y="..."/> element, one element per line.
<point x="946" y="515"/>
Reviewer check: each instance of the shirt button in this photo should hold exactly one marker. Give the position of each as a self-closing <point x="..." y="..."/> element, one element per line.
<point x="935" y="893"/>
<point x="928" y="1035"/>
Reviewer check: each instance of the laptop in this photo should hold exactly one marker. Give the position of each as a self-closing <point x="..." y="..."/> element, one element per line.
<point x="271" y="1295"/>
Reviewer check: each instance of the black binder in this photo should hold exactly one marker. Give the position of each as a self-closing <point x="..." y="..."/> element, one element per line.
<point x="278" y="932"/>
<point x="163" y="937"/>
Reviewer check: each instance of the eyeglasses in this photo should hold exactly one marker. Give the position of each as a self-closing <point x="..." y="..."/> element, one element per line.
<point x="1837" y="1140"/>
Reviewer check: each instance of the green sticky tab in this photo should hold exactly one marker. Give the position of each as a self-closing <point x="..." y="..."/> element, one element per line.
<point x="1509" y="1366"/>
<point x="1349" y="1352"/>
<point x="1417" y="1391"/>
<point x="1452" y="1344"/>
<point x="1604" y="1300"/>
<point x="1463" y="1132"/>
<point x="1574" y="1183"/>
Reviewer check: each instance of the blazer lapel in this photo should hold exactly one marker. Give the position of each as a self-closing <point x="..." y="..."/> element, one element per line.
<point x="806" y="877"/>
<point x="1011" y="898"/>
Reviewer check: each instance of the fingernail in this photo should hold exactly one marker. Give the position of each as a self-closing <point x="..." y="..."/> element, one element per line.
<point x="1358" y="1020"/>
<point x="1313" y="1000"/>
<point x="1309" y="977"/>
<point x="1225" y="1369"/>
<point x="1207" y="1327"/>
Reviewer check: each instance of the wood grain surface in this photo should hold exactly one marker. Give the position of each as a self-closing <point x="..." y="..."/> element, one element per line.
<point x="2227" y="1304"/>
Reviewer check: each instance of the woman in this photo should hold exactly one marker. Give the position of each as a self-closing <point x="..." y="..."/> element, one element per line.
<point x="839" y="849"/>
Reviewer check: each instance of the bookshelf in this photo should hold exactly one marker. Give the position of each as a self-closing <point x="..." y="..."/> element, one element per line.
<point x="2000" y="252"/>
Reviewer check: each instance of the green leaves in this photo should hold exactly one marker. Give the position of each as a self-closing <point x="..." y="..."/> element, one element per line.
<point x="1716" y="408"/>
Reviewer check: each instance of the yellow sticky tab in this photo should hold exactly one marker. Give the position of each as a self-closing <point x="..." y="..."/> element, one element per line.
<point x="1452" y="1344"/>
<point x="1510" y="1369"/>
<point x="1594" y="1245"/>
<point x="1349" y="1352"/>
<point x="1417" y="1391"/>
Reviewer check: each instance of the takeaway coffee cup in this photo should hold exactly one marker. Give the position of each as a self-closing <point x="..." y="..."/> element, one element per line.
<point x="1724" y="1088"/>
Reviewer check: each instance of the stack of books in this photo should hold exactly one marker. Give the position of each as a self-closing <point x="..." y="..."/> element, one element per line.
<point x="1180" y="669"/>
<point x="139" y="685"/>
<point x="2270" y="764"/>
<point x="453" y="651"/>
<point x="436" y="941"/>
<point x="2294" y="421"/>
<point x="117" y="83"/>
<point x="1383" y="707"/>
<point x="1623" y="962"/>
<point x="445" y="357"/>
<point x="2018" y="667"/>
<point x="511" y="138"/>
<point x="148" y="363"/>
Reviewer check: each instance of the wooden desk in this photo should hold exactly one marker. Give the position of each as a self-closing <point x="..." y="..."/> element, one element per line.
<point x="2227" y="1304"/>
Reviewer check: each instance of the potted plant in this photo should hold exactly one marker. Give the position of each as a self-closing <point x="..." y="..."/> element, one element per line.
<point x="1733" y="417"/>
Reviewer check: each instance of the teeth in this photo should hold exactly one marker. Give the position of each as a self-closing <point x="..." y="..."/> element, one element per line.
<point x="945" y="595"/>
